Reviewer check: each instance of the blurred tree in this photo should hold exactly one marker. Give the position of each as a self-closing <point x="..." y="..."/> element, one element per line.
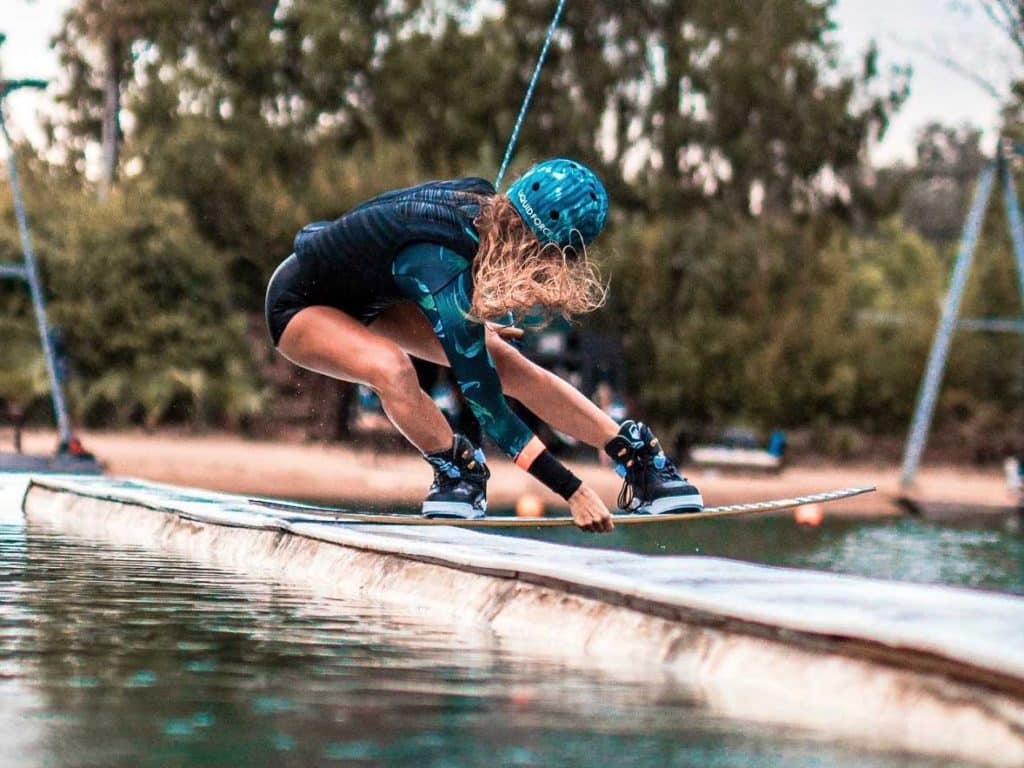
<point x="714" y="100"/>
<point x="730" y="134"/>
<point x="761" y="343"/>
<point x="144" y="305"/>
<point x="990" y="404"/>
<point x="232" y="102"/>
<point x="1008" y="15"/>
<point x="96" y="50"/>
<point x="887" y="290"/>
<point x="941" y="183"/>
<point x="743" y="142"/>
<point x="227" y="100"/>
<point x="24" y="385"/>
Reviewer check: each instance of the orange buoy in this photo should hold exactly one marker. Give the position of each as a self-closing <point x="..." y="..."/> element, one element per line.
<point x="522" y="696"/>
<point x="809" y="514"/>
<point x="530" y="505"/>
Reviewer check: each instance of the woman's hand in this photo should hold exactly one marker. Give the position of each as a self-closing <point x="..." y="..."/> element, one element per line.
<point x="589" y="512"/>
<point x="508" y="332"/>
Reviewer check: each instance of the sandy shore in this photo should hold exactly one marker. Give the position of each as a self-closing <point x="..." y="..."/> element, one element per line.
<point x="229" y="463"/>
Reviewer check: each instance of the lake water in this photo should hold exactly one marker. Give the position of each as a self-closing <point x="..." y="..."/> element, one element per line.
<point x="986" y="555"/>
<point x="122" y="657"/>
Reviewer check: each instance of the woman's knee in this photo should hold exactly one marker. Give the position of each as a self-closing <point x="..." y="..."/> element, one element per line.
<point x="390" y="370"/>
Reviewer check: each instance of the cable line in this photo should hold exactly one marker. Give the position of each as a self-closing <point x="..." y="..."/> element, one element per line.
<point x="529" y="94"/>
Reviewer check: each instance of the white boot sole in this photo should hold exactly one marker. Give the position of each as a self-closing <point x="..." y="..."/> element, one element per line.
<point x="693" y="502"/>
<point x="455" y="510"/>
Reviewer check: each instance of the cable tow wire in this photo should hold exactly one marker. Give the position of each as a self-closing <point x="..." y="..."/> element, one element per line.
<point x="529" y="94"/>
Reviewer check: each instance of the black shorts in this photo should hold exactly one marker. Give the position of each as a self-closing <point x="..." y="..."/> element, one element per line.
<point x="295" y="286"/>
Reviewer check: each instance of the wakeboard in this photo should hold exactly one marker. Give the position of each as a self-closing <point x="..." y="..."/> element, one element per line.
<point x="508" y="521"/>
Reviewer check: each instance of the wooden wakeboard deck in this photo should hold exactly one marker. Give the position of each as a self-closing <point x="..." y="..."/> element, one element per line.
<point x="506" y="521"/>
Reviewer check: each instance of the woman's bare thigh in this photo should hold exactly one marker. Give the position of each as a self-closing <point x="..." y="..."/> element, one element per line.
<point x="405" y="325"/>
<point x="331" y="342"/>
<point x="409" y="328"/>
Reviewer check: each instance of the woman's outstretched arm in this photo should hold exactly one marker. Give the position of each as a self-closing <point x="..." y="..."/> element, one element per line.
<point x="439" y="282"/>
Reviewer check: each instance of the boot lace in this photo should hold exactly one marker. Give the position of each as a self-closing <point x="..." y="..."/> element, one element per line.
<point x="635" y="476"/>
<point x="636" y="483"/>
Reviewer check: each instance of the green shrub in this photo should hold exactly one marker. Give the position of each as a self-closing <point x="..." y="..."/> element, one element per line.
<point x="144" y="306"/>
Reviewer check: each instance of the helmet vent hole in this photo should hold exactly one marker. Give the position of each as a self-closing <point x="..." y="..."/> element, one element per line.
<point x="536" y="186"/>
<point x="593" y="196"/>
<point x="554" y="215"/>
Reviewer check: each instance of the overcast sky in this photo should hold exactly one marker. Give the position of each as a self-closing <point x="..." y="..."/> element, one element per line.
<point x="902" y="28"/>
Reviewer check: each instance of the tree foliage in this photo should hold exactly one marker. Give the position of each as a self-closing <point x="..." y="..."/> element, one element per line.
<point x="234" y="103"/>
<point x="747" y="239"/>
<point x="144" y="307"/>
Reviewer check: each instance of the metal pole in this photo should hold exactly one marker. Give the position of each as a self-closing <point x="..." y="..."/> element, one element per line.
<point x="35" y="288"/>
<point x="928" y="394"/>
<point x="1014" y="218"/>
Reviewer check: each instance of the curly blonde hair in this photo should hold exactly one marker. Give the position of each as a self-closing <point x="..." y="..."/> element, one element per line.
<point x="514" y="272"/>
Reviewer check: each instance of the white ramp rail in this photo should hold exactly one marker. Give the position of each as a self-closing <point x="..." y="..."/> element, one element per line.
<point x="895" y="666"/>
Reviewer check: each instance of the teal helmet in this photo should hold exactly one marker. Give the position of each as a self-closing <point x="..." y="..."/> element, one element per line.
<point x="562" y="201"/>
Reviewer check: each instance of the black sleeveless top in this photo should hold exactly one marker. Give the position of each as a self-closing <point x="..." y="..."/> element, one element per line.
<point x="355" y="252"/>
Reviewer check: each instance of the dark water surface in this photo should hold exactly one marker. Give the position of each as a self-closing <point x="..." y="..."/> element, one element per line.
<point x="987" y="555"/>
<point x="120" y="657"/>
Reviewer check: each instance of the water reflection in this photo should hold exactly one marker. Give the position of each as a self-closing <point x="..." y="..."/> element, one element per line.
<point x="112" y="656"/>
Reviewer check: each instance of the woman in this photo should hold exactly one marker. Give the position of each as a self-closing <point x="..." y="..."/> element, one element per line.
<point x="421" y="272"/>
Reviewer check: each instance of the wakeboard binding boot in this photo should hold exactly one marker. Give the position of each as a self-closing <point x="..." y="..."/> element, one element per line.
<point x="459" y="489"/>
<point x="651" y="483"/>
